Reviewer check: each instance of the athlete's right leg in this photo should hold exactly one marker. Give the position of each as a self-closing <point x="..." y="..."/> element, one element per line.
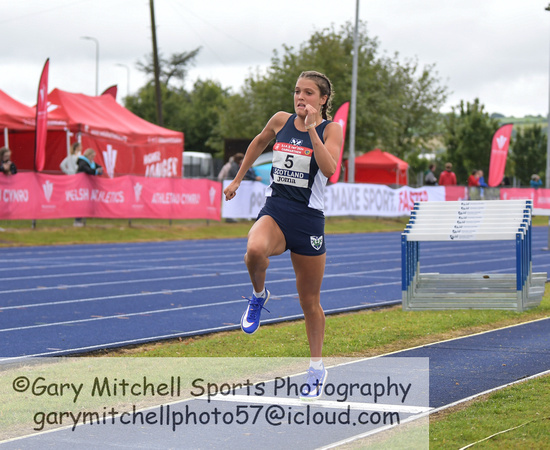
<point x="265" y="239"/>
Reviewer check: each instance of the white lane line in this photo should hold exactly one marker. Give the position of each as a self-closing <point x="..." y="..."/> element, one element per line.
<point x="285" y="401"/>
<point x="190" y="291"/>
<point x="181" y="308"/>
<point x="350" y="274"/>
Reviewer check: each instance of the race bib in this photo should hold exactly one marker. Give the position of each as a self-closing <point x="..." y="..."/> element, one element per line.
<point x="291" y="164"/>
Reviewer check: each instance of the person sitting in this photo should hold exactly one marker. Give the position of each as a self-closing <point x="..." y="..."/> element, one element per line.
<point x="86" y="164"/>
<point x="8" y="167"/>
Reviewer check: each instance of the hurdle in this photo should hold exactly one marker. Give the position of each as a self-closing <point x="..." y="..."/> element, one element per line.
<point x="491" y="220"/>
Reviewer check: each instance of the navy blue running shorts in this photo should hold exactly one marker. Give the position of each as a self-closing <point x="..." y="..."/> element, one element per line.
<point x="303" y="227"/>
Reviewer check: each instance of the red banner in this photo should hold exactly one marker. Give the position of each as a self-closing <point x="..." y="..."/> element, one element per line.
<point x="41" y="120"/>
<point x="456" y="193"/>
<point x="30" y="195"/>
<point x="540" y="197"/>
<point x="341" y="117"/>
<point x="499" y="154"/>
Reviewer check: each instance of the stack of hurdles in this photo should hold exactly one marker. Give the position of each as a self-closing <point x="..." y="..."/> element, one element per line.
<point x="496" y="220"/>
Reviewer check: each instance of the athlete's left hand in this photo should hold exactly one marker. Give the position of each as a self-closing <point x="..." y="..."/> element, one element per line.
<point x="311" y="115"/>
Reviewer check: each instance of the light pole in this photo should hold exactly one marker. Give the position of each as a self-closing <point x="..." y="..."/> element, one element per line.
<point x="96" y="62"/>
<point x="353" y="105"/>
<point x="548" y="143"/>
<point x="548" y="154"/>
<point x="128" y="78"/>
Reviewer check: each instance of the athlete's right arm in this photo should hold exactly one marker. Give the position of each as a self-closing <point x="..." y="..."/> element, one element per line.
<point x="255" y="149"/>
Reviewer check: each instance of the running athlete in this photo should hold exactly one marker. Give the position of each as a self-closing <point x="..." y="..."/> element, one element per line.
<point x="305" y="155"/>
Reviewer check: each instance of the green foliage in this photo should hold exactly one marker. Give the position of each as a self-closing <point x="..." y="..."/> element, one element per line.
<point x="528" y="153"/>
<point x="199" y="117"/>
<point x="397" y="102"/>
<point x="468" y="135"/>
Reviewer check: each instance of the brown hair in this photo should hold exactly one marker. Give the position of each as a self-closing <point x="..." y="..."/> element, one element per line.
<point x="74" y="147"/>
<point x="3" y="151"/>
<point x="325" y="86"/>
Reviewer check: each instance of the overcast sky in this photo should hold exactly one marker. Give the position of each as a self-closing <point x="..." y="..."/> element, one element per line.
<point x="495" y="50"/>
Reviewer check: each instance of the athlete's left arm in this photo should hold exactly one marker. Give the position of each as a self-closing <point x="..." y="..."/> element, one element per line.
<point x="327" y="155"/>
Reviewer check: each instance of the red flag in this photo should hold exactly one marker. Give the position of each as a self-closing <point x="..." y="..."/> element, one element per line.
<point x="341" y="117"/>
<point x="499" y="153"/>
<point x="111" y="91"/>
<point x="41" y="120"/>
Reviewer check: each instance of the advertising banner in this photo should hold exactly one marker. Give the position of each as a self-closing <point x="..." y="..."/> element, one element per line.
<point x="341" y="117"/>
<point x="499" y="154"/>
<point x="28" y="195"/>
<point x="42" y="119"/>
<point x="341" y="199"/>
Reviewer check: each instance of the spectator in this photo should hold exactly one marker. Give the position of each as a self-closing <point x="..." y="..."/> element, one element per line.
<point x="447" y="177"/>
<point x="69" y="164"/>
<point x="480" y="179"/>
<point x="236" y="164"/>
<point x="429" y="178"/>
<point x="86" y="164"/>
<point x="8" y="167"/>
<point x="224" y="172"/>
<point x="535" y="182"/>
<point x="473" y="180"/>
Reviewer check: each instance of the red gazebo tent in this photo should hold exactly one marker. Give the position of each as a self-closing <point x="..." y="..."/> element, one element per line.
<point x="378" y="167"/>
<point x="125" y="144"/>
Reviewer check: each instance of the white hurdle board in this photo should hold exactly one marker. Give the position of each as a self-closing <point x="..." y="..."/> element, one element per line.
<point x="506" y="220"/>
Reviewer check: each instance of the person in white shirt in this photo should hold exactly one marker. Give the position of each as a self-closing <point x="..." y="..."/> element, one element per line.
<point x="68" y="165"/>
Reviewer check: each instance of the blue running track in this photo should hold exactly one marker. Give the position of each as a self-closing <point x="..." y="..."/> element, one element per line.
<point x="74" y="299"/>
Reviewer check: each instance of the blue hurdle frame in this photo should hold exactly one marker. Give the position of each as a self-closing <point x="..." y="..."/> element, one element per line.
<point x="410" y="256"/>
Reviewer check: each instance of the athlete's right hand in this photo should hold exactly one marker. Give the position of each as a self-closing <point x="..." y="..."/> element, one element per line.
<point x="231" y="190"/>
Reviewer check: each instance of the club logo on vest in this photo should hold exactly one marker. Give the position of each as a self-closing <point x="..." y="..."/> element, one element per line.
<point x="295" y="141"/>
<point x="316" y="242"/>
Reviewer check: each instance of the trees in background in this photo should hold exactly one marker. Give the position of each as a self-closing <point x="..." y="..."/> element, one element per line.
<point x="398" y="105"/>
<point x="468" y="135"/>
<point x="528" y="153"/>
<point x="398" y="102"/>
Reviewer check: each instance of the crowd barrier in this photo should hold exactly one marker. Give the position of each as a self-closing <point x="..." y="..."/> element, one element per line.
<point x="30" y="195"/>
<point x="496" y="220"/>
<point x="376" y="200"/>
